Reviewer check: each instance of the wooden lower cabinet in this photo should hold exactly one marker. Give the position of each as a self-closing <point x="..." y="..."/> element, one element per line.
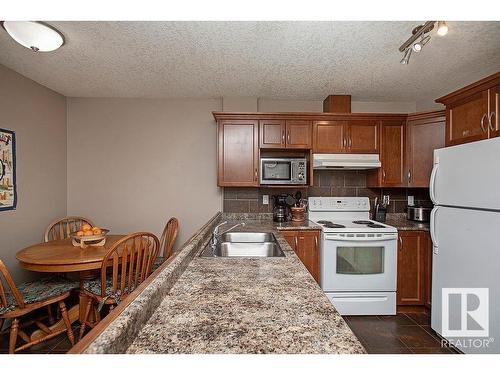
<point x="414" y="268"/>
<point x="305" y="243"/>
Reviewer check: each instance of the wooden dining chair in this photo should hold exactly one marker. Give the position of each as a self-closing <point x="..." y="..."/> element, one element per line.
<point x="18" y="301"/>
<point x="126" y="265"/>
<point x="167" y="241"/>
<point x="61" y="228"/>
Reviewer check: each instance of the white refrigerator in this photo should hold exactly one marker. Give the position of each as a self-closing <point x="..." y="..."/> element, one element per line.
<point x="465" y="231"/>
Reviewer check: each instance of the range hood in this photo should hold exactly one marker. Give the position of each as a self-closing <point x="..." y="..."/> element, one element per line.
<point x="346" y="161"/>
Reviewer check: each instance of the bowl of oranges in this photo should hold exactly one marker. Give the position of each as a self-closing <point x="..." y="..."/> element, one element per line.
<point x="89" y="236"/>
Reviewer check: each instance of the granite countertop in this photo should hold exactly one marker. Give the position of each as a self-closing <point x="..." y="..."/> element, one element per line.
<point x="246" y="305"/>
<point x="402" y="223"/>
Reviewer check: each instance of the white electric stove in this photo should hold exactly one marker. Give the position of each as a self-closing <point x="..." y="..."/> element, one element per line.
<point x="358" y="256"/>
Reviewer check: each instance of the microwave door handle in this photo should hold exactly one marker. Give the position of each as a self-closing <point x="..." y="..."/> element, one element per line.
<point x="361" y="239"/>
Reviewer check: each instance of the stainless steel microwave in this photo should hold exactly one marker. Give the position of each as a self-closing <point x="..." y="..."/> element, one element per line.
<point x="283" y="171"/>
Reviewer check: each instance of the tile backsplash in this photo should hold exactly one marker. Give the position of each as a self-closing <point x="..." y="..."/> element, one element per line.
<point x="326" y="184"/>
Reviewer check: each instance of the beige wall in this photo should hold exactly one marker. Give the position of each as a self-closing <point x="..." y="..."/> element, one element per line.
<point x="382" y="107"/>
<point x="274" y="105"/>
<point x="133" y="163"/>
<point x="38" y="116"/>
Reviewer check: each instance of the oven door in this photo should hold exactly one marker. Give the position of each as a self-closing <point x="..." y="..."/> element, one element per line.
<point x="358" y="262"/>
<point x="275" y="171"/>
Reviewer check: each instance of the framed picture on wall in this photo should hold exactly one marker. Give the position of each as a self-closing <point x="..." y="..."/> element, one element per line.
<point x="8" y="194"/>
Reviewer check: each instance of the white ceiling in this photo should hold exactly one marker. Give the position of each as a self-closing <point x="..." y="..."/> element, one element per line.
<point x="288" y="60"/>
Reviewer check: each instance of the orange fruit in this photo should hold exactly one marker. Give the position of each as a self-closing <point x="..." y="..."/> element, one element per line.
<point x="86" y="227"/>
<point x="79" y="233"/>
<point x="96" y="230"/>
<point x="88" y="233"/>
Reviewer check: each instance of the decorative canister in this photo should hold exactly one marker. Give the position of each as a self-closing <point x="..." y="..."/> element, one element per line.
<point x="298" y="213"/>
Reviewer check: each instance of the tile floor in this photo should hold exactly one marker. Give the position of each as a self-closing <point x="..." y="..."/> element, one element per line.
<point x="404" y="333"/>
<point x="57" y="345"/>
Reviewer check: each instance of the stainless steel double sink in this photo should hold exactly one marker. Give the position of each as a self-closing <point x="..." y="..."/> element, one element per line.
<point x="245" y="244"/>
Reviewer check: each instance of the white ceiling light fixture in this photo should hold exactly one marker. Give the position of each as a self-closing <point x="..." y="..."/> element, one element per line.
<point x="442" y="28"/>
<point x="36" y="36"/>
<point x="406" y="58"/>
<point x="422" y="32"/>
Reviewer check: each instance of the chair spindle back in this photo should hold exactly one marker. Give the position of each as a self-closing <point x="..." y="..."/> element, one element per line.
<point x="19" y="300"/>
<point x="62" y="228"/>
<point x="168" y="238"/>
<point x="129" y="262"/>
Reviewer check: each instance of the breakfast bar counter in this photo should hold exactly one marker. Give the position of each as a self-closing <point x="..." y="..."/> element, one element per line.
<point x="233" y="305"/>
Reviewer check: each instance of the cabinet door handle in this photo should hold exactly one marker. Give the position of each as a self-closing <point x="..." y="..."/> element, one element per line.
<point x="383" y="174"/>
<point x="490" y="122"/>
<point x="482" y="122"/>
<point x="296" y="244"/>
<point x="409" y="175"/>
<point x="255" y="174"/>
<point x="350" y="142"/>
<point x="316" y="242"/>
<point x="400" y="244"/>
<point x="344" y="142"/>
<point x="283" y="137"/>
<point x="288" y="136"/>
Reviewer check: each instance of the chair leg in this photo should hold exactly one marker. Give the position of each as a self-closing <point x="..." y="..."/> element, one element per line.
<point x="49" y="315"/>
<point x="85" y="318"/>
<point x="13" y="335"/>
<point x="97" y="315"/>
<point x="67" y="323"/>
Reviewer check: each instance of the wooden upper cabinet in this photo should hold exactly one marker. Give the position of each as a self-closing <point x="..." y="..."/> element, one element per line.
<point x="469" y="111"/>
<point x="412" y="274"/>
<point x="285" y="134"/>
<point x="298" y="134"/>
<point x="392" y="158"/>
<point x="352" y="136"/>
<point x="363" y="137"/>
<point x="468" y="119"/>
<point x="425" y="133"/>
<point x="272" y="133"/>
<point x="329" y="137"/>
<point x="392" y="152"/>
<point x="494" y="111"/>
<point x="238" y="152"/>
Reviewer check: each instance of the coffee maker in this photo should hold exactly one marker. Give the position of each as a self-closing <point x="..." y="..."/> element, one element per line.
<point x="281" y="210"/>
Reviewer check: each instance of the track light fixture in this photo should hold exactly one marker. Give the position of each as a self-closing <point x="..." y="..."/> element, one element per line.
<point x="406" y="58"/>
<point x="422" y="32"/>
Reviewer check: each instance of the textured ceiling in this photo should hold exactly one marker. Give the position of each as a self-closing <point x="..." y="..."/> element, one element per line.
<point x="288" y="60"/>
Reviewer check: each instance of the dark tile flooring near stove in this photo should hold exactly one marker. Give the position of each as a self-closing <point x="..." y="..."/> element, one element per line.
<point x="56" y="345"/>
<point x="404" y="333"/>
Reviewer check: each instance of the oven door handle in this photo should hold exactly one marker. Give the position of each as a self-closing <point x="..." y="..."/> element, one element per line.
<point x="360" y="239"/>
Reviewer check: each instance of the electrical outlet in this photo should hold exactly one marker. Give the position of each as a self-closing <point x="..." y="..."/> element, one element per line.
<point x="265" y="199"/>
<point x="411" y="200"/>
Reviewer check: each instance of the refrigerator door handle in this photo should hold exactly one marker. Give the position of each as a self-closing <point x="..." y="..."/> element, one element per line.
<point x="432" y="182"/>
<point x="433" y="229"/>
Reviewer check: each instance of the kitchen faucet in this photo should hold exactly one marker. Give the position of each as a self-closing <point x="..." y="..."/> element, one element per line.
<point x="215" y="233"/>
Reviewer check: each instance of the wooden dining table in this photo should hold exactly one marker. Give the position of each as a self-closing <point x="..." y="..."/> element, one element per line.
<point x="60" y="256"/>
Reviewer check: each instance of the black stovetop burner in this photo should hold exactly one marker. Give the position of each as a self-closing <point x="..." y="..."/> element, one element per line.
<point x="363" y="222"/>
<point x="329" y="224"/>
<point x="373" y="225"/>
